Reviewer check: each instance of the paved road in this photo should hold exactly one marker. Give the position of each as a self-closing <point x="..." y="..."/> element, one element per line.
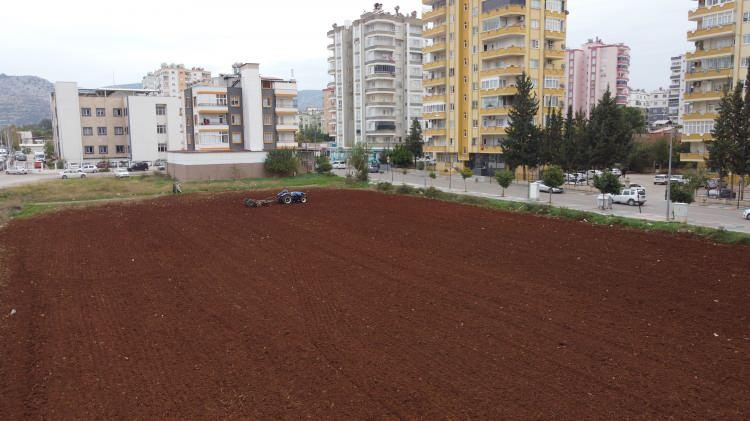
<point x="714" y="215"/>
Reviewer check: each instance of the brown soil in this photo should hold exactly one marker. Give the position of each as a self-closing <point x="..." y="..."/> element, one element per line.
<point x="362" y="305"/>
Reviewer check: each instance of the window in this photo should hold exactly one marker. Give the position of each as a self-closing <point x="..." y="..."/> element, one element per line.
<point x="553" y="25"/>
<point x="267" y="120"/>
<point x="161" y="109"/>
<point x="119" y="131"/>
<point x="86" y="112"/>
<point x="88" y="131"/>
<point x="267" y="102"/>
<point x="535" y="44"/>
<point x="103" y="149"/>
<point x="235" y="119"/>
<point x="221" y="99"/>
<point x="161" y="129"/>
<point x="101" y="131"/>
<point x="534" y="63"/>
<point x="162" y="147"/>
<point x="535" y="4"/>
<point x="235" y="101"/>
<point x="534" y="24"/>
<point x="120" y="148"/>
<point x="116" y="112"/>
<point x="267" y="137"/>
<point x="88" y="150"/>
<point x="236" y="137"/>
<point x="101" y="112"/>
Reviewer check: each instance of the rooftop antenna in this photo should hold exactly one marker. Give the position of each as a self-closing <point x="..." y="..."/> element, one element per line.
<point x="292" y="74"/>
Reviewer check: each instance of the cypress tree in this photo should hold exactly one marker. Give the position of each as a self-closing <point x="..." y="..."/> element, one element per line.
<point x="521" y="146"/>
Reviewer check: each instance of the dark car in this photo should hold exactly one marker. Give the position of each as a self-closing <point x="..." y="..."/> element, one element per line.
<point x="103" y="165"/>
<point x="722" y="194"/>
<point x="20" y="156"/>
<point x="373" y="167"/>
<point x="138" y="166"/>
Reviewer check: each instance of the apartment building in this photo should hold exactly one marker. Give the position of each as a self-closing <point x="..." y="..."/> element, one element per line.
<point x="720" y="59"/>
<point x="653" y="104"/>
<point x="232" y="122"/>
<point x="113" y="125"/>
<point x="475" y="51"/>
<point x="329" y="110"/>
<point x="592" y="70"/>
<point x="376" y="63"/>
<point x="678" y="68"/>
<point x="311" y="119"/>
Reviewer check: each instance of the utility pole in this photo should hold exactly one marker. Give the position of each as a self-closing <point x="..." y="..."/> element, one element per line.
<point x="669" y="173"/>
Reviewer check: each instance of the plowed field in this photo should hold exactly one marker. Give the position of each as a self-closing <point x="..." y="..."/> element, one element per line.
<point x="362" y="305"/>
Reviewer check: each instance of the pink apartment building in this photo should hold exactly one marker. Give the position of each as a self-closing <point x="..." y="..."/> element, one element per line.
<point x="592" y="69"/>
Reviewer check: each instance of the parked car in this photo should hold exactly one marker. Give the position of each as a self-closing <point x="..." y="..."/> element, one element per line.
<point x="722" y="194"/>
<point x="660" y="179"/>
<point x="546" y="189"/>
<point x="121" y="172"/>
<point x="339" y="165"/>
<point x="746" y="214"/>
<point x="89" y="168"/>
<point x="20" y="156"/>
<point x="72" y="173"/>
<point x="617" y="172"/>
<point x="138" y="166"/>
<point x="373" y="167"/>
<point x="160" y="164"/>
<point x="679" y="179"/>
<point x="102" y="165"/>
<point x="593" y="173"/>
<point x="636" y="186"/>
<point x="715" y="184"/>
<point x="632" y="197"/>
<point x="17" y="171"/>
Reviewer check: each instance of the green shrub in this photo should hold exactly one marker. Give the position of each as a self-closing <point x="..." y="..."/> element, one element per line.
<point x="323" y="165"/>
<point x="679" y="193"/>
<point x="432" y="193"/>
<point x="504" y="179"/>
<point x="433" y="175"/>
<point x="401" y="157"/>
<point x="386" y="187"/>
<point x="282" y="162"/>
<point x="405" y="189"/>
<point x="608" y="183"/>
<point x="358" y="160"/>
<point x="420" y="165"/>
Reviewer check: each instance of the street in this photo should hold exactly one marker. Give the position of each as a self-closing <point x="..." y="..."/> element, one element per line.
<point x="716" y="214"/>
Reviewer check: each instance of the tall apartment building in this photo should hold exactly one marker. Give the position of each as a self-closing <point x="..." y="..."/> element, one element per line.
<point x="722" y="47"/>
<point x="329" y="110"/>
<point x="592" y="70"/>
<point x="376" y="63"/>
<point x="678" y="67"/>
<point x="653" y="104"/>
<point x="475" y="50"/>
<point x="112" y="125"/>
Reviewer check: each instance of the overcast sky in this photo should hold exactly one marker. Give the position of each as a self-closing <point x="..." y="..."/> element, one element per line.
<point x="98" y="42"/>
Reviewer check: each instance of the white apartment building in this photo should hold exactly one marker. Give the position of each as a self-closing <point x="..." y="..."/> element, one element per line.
<point x="113" y="125"/>
<point x="232" y="122"/>
<point x="376" y="63"/>
<point x="654" y="104"/>
<point x="678" y="68"/>
<point x="592" y="70"/>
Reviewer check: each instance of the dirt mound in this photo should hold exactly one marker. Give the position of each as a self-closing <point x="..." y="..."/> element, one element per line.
<point x="362" y="305"/>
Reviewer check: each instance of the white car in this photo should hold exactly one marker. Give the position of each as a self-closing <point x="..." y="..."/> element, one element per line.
<point x="660" y="179"/>
<point x="679" y="179"/>
<point x="617" y="172"/>
<point x="72" y="173"/>
<point x="543" y="188"/>
<point x="121" y="172"/>
<point x="89" y="168"/>
<point x="339" y="165"/>
<point x="630" y="197"/>
<point x="746" y="214"/>
<point x="17" y="171"/>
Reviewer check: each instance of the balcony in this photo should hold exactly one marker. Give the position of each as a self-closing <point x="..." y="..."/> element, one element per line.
<point x="285" y="110"/>
<point x="211" y="108"/>
<point x="714" y="52"/>
<point x="504" y="11"/>
<point x="436" y="30"/>
<point x="554" y="71"/>
<point x="554" y="91"/>
<point x="493" y="130"/>
<point x="554" y="54"/>
<point x="435" y="13"/>
<point x="693" y="157"/>
<point x="380" y="45"/>
<point x="490" y="149"/>
<point x="434" y="116"/>
<point x="699" y="12"/>
<point x="709" y="74"/>
<point x="508" y="90"/>
<point x="437" y="64"/>
<point x="504" y="31"/>
<point x="494" y="111"/>
<point x="287" y="127"/>
<point x="696" y="138"/>
<point x="556" y="35"/>
<point x="436" y="148"/>
<point x="700" y="116"/>
<point x="502" y="52"/>
<point x="436" y="131"/>
<point x="704" y="33"/>
<point x="434" y="82"/>
<point x="379" y="90"/>
<point x="502" y="71"/>
<point x="440" y="46"/>
<point x="433" y="98"/>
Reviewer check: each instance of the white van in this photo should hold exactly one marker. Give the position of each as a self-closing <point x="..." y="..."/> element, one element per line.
<point x="630" y="197"/>
<point x="660" y="179"/>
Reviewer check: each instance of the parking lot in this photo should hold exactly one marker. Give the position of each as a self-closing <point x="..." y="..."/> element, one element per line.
<point x="708" y="213"/>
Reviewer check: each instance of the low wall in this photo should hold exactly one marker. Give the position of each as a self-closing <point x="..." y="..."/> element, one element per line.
<point x="215" y="171"/>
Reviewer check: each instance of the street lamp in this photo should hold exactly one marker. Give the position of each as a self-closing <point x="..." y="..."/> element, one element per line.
<point x="672" y="128"/>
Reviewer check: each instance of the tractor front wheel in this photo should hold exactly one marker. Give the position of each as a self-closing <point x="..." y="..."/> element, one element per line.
<point x="303" y="199"/>
<point x="287" y="200"/>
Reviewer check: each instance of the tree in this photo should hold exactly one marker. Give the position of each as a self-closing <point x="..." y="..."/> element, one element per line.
<point x="608" y="183"/>
<point x="568" y="149"/>
<point x="282" y="162"/>
<point x="740" y="158"/>
<point x="679" y="193"/>
<point x="466" y="173"/>
<point x="634" y="120"/>
<point x="358" y="161"/>
<point x="552" y="139"/>
<point x="521" y="146"/>
<point x="719" y="151"/>
<point x="383" y="156"/>
<point x="400" y="156"/>
<point x="553" y="178"/>
<point x="609" y="137"/>
<point x="323" y="165"/>
<point x="504" y="179"/>
<point x="414" y="140"/>
<point x="49" y="149"/>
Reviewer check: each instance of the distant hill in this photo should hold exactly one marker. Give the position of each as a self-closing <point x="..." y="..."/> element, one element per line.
<point x="24" y="99"/>
<point x="307" y="99"/>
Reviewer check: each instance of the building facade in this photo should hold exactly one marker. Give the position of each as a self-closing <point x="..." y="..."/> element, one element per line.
<point x="722" y="47"/>
<point x="475" y="51"/>
<point x="311" y="119"/>
<point x="113" y="125"/>
<point x="376" y="63"/>
<point x="678" y="68"/>
<point x="592" y="70"/>
<point x="329" y="110"/>
<point x="232" y="122"/>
